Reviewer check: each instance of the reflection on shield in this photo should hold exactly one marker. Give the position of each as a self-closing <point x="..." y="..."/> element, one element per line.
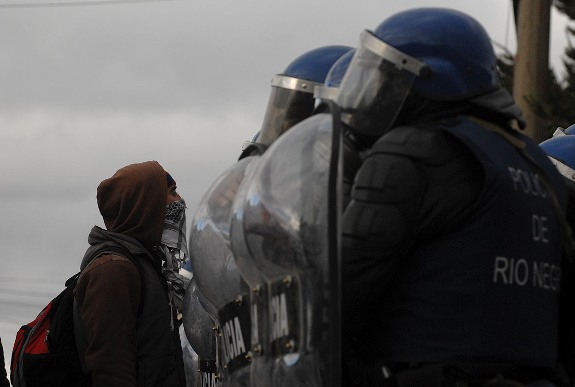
<point x="281" y="241"/>
<point x="199" y="330"/>
<point x="218" y="278"/>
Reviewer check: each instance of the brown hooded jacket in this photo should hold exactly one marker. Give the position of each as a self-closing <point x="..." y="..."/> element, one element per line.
<point x="128" y="344"/>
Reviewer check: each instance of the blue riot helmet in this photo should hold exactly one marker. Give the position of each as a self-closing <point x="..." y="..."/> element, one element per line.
<point x="291" y="99"/>
<point x="328" y="92"/>
<point x="438" y="54"/>
<point x="561" y="151"/>
<point x="333" y="79"/>
<point x="337" y="71"/>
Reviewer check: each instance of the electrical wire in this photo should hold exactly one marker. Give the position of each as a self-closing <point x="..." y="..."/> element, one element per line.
<point x="78" y="3"/>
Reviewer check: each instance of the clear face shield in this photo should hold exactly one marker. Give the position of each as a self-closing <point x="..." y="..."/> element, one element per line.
<point x="325" y="93"/>
<point x="291" y="101"/>
<point x="376" y="85"/>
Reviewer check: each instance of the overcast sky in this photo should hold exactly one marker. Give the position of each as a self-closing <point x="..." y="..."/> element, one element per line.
<point x="85" y="90"/>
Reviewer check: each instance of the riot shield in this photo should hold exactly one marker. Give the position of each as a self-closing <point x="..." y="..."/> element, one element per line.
<point x="261" y="362"/>
<point x="285" y="228"/>
<point x="190" y="358"/>
<point x="199" y="328"/>
<point x="218" y="277"/>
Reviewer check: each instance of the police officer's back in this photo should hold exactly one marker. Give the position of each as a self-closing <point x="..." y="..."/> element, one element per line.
<point x="452" y="240"/>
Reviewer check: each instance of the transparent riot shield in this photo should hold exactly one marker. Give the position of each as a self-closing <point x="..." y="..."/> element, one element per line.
<point x="190" y="358"/>
<point x="261" y="363"/>
<point x="218" y="277"/>
<point x="200" y="328"/>
<point x="285" y="235"/>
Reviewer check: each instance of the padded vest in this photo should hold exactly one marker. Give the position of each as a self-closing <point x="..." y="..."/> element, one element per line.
<point x="487" y="291"/>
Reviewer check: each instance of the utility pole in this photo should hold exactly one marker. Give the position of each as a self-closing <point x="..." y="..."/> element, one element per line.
<point x="530" y="77"/>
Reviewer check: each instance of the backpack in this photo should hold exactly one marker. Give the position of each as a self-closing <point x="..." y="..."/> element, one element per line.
<point x="45" y="352"/>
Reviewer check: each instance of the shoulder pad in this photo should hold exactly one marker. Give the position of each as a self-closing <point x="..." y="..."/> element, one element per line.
<point x="412" y="142"/>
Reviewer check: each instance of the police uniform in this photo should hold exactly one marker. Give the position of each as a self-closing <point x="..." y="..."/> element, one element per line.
<point x="452" y="253"/>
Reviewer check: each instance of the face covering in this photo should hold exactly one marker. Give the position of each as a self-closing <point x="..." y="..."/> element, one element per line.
<point x="175" y="250"/>
<point x="174" y="234"/>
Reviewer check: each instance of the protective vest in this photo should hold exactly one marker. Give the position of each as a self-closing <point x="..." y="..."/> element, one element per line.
<point x="488" y="289"/>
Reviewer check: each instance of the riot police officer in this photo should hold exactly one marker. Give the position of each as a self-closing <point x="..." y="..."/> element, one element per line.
<point x="219" y="278"/>
<point x="452" y="241"/>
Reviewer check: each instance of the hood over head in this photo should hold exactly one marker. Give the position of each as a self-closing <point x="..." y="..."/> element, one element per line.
<point x="133" y="202"/>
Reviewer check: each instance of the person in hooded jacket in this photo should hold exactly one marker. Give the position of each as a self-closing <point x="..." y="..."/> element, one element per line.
<point x="125" y="321"/>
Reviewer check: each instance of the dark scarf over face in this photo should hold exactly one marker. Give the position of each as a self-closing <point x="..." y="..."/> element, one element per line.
<point x="174" y="234"/>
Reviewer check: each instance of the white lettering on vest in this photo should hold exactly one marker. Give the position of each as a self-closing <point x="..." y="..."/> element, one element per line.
<point x="527" y="182"/>
<point x="540" y="228"/>
<point x="511" y="271"/>
<point x="546" y="276"/>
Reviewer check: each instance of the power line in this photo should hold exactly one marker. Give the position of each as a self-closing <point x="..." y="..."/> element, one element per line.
<point x="4" y="280"/>
<point x="79" y="3"/>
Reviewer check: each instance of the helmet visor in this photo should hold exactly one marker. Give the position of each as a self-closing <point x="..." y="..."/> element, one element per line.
<point x="376" y="84"/>
<point x="325" y="93"/>
<point x="291" y="101"/>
